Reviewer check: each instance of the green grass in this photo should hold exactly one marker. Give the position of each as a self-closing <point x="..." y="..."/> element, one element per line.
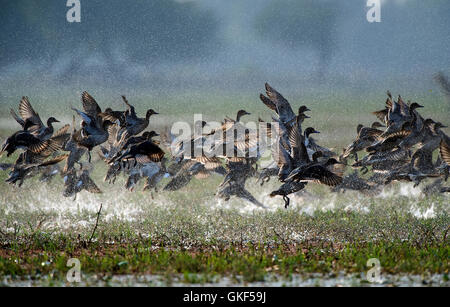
<point x="252" y="262"/>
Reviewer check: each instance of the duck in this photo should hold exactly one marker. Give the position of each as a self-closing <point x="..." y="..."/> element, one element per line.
<point x="301" y="116"/>
<point x="127" y="141"/>
<point x="20" y="140"/>
<point x="238" y="171"/>
<point x="40" y="159"/>
<point x="152" y="181"/>
<point x="384" y="144"/>
<point x="356" y="183"/>
<point x="239" y="115"/>
<point x="21" y="170"/>
<point x="182" y="147"/>
<point x="276" y="102"/>
<point x="144" y="152"/>
<point x="75" y="150"/>
<point x="94" y="129"/>
<point x="134" y="124"/>
<point x="409" y="174"/>
<point x="188" y="169"/>
<point x="152" y="171"/>
<point x="95" y="138"/>
<point x="422" y="159"/>
<point x="287" y="188"/>
<point x="316" y="172"/>
<point x="25" y="140"/>
<point x="395" y="156"/>
<point x="35" y="124"/>
<point x="399" y="115"/>
<point x="229" y="127"/>
<point x="75" y="183"/>
<point x="296" y="168"/>
<point x="444" y="149"/>
<point x="366" y="136"/>
<point x="312" y="146"/>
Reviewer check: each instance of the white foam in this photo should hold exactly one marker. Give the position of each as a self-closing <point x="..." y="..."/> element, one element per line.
<point x="423" y="213"/>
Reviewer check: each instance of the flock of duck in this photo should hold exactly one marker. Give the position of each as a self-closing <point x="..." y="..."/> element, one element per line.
<point x="399" y="146"/>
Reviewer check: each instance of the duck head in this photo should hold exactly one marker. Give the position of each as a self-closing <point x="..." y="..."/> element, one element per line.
<point x="303" y="109"/>
<point x="149" y="135"/>
<point x="428" y="122"/>
<point x="241" y="113"/>
<point x="52" y="120"/>
<point x="310" y="130"/>
<point x="414" y="106"/>
<point x="439" y="125"/>
<point x="149" y="113"/>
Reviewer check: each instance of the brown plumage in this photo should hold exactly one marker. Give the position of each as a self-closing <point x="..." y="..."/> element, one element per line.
<point x="134" y="124"/>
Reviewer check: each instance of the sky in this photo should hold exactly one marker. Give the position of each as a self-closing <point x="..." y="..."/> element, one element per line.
<point x="224" y="45"/>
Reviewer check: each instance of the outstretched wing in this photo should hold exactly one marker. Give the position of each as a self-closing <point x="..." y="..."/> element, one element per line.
<point x="284" y="109"/>
<point x="27" y="113"/>
<point x="445" y="151"/>
<point x="90" y="106"/>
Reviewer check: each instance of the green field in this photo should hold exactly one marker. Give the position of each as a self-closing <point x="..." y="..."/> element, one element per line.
<point x="191" y="237"/>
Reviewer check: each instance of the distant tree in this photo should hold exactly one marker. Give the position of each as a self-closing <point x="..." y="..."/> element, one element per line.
<point x="300" y="23"/>
<point x="144" y="30"/>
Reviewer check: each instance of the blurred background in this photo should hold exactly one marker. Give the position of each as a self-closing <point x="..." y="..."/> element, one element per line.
<point x="213" y="56"/>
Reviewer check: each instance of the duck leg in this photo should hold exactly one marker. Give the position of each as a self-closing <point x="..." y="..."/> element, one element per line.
<point x="89" y="156"/>
<point x="286" y="201"/>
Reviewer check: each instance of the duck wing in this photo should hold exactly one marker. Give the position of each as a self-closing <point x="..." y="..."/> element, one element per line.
<point x="27" y="113"/>
<point x="444" y="149"/>
<point x="90" y="106"/>
<point x="283" y="160"/>
<point x="131" y="109"/>
<point x="269" y="103"/>
<point x="283" y="106"/>
<point x="319" y="173"/>
<point x="149" y="151"/>
<point x="17" y="118"/>
<point x="382" y="114"/>
<point x="298" y="149"/>
<point x="89" y="184"/>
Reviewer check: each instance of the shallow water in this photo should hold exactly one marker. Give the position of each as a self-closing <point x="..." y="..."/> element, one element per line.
<point x="296" y="280"/>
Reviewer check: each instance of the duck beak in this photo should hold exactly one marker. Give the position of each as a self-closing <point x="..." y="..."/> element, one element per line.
<point x="306" y="116"/>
